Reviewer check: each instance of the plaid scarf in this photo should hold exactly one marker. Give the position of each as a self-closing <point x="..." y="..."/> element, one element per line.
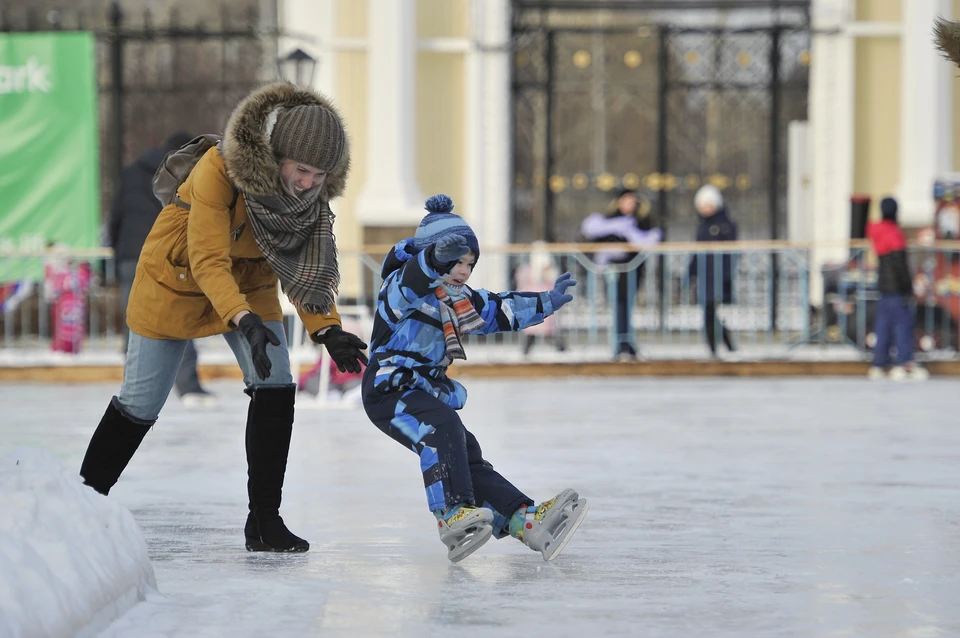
<point x="296" y="237"/>
<point x="458" y="317"/>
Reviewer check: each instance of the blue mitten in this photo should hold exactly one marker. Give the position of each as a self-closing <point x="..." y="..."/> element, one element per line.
<point x="448" y="251"/>
<point x="559" y="295"/>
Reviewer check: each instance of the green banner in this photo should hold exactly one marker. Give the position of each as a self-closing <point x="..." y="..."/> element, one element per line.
<point x="49" y="181"/>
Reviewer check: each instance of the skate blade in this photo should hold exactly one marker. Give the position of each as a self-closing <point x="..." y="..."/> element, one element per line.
<point x="568" y="529"/>
<point x="475" y="539"/>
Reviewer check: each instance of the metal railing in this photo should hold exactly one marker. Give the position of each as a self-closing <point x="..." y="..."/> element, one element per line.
<point x="769" y="313"/>
<point x="767" y="307"/>
<point x="32" y="282"/>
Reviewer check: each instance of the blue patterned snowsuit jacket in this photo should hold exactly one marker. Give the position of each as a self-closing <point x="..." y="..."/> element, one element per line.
<point x="407" y="347"/>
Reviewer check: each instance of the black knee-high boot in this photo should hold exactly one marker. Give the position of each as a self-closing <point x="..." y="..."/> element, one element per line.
<point x="113" y="444"/>
<point x="269" y="427"/>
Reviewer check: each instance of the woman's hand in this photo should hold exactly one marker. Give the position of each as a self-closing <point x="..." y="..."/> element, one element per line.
<point x="345" y="349"/>
<point x="258" y="336"/>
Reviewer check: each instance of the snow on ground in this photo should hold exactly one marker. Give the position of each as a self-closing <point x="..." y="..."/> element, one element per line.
<point x="719" y="507"/>
<point x="71" y="561"/>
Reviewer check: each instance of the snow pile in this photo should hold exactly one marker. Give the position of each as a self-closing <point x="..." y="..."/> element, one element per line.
<point x="71" y="560"/>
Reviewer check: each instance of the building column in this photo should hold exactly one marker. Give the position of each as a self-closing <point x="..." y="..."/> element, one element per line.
<point x="832" y="85"/>
<point x="391" y="195"/>
<point x="473" y="165"/>
<point x="488" y="163"/>
<point x="926" y="99"/>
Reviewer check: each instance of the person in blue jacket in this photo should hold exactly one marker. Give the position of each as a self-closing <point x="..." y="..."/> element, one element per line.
<point x="714" y="270"/>
<point x="423" y="311"/>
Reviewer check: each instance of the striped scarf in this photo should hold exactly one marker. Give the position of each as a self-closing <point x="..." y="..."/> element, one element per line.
<point x="296" y="237"/>
<point x="458" y="317"/>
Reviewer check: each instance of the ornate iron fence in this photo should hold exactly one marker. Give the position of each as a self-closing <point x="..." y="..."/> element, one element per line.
<point x="157" y="71"/>
<point x="626" y="93"/>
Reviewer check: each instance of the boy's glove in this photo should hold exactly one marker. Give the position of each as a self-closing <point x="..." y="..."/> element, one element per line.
<point x="448" y="251"/>
<point x="559" y="296"/>
<point x="258" y="336"/>
<point x="345" y="349"/>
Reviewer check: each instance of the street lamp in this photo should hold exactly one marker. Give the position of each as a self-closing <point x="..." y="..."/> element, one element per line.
<point x="297" y="67"/>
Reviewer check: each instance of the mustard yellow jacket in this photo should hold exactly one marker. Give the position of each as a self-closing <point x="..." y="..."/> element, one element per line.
<point x="200" y="267"/>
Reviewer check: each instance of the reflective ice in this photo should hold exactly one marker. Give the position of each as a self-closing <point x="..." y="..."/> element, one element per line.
<point x="813" y="507"/>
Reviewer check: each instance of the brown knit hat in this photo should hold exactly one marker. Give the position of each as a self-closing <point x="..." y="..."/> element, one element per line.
<point x="309" y="134"/>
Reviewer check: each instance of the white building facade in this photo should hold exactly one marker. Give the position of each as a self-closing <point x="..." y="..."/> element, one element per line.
<point x="425" y="88"/>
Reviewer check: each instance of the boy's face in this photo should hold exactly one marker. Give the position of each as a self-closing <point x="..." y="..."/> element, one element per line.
<point x="462" y="270"/>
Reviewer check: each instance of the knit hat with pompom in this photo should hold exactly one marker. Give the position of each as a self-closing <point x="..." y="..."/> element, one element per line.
<point x="441" y="222"/>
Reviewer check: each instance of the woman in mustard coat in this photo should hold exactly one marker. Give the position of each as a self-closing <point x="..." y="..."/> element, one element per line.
<point x="252" y="211"/>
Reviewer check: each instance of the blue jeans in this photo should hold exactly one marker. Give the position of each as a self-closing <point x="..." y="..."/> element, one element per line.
<point x="894" y="321"/>
<point x="152" y="364"/>
<point x="187" y="380"/>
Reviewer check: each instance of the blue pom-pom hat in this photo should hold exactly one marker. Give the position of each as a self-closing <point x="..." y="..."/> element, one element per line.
<point x="439" y="222"/>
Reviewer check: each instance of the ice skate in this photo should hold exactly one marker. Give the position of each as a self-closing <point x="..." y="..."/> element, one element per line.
<point x="464" y="530"/>
<point x="626" y="353"/>
<point x="199" y="399"/>
<point x="876" y="373"/>
<point x="552" y="524"/>
<point x="909" y="372"/>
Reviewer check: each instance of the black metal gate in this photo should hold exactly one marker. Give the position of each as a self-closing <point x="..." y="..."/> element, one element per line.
<point x="156" y="73"/>
<point x="610" y="94"/>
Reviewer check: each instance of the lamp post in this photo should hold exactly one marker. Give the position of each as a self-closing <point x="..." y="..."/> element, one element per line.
<point x="297" y="67"/>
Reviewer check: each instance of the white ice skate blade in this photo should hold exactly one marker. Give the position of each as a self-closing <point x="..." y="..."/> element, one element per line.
<point x="569" y="532"/>
<point x="471" y="543"/>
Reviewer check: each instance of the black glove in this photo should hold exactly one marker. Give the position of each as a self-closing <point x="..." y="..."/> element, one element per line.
<point x="345" y="349"/>
<point x="258" y="336"/>
<point x="448" y="251"/>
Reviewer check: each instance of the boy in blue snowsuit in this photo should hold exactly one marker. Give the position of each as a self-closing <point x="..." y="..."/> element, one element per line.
<point x="424" y="308"/>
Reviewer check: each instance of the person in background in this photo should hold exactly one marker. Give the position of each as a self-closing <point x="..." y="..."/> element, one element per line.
<point x="713" y="270"/>
<point x="539" y="273"/>
<point x="894" y="321"/>
<point x="65" y="287"/>
<point x="630" y="223"/>
<point x="134" y="210"/>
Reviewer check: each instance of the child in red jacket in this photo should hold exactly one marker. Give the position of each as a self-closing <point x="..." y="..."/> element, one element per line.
<point x="894" y="311"/>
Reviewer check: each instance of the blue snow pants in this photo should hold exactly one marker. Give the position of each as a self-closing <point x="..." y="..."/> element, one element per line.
<point x="453" y="467"/>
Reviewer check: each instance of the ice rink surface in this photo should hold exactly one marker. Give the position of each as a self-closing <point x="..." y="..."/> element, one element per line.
<point x="806" y="507"/>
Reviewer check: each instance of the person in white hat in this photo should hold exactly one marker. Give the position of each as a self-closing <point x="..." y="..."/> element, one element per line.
<point x="714" y="270"/>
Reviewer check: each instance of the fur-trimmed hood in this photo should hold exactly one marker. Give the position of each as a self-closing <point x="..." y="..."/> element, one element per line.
<point x="946" y="37"/>
<point x="247" y="153"/>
